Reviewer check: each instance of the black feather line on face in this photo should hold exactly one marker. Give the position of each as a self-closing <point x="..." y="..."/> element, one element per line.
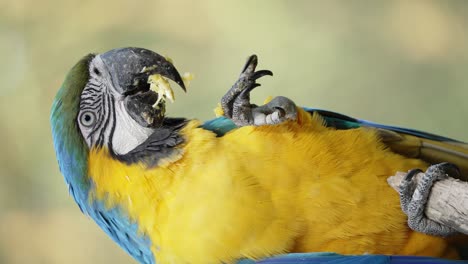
<point x="159" y="145"/>
<point x="111" y="134"/>
<point x="101" y="104"/>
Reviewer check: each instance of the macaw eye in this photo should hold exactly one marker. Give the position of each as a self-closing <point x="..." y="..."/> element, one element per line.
<point x="87" y="119"/>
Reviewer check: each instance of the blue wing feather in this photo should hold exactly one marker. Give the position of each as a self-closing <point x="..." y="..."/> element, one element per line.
<point x="341" y="121"/>
<point x="332" y="258"/>
<point x="222" y="125"/>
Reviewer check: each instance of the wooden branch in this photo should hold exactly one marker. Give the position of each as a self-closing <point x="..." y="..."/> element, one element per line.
<point x="447" y="203"/>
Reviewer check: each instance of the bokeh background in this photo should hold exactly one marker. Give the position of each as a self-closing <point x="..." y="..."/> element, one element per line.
<point x="397" y="62"/>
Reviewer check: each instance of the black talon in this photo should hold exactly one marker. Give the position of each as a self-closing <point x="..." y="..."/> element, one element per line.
<point x="253" y="86"/>
<point x="237" y="106"/>
<point x="245" y="94"/>
<point x="281" y="111"/>
<point x="243" y="86"/>
<point x="411" y="174"/>
<point x="450" y="169"/>
<point x="252" y="60"/>
<point x="261" y="73"/>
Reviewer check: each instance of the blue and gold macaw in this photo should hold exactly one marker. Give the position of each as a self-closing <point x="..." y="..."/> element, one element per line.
<point x="259" y="182"/>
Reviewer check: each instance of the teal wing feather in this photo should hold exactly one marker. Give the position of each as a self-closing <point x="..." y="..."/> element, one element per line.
<point x="220" y="126"/>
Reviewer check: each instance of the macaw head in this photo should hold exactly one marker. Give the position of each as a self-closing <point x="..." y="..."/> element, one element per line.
<point x="106" y="102"/>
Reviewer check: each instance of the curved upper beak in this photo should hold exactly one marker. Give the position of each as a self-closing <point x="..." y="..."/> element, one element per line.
<point x="130" y="68"/>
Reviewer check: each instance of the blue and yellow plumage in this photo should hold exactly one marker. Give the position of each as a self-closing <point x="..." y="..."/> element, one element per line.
<point x="212" y="192"/>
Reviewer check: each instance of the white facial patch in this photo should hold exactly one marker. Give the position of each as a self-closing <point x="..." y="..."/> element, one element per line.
<point x="128" y="134"/>
<point x="97" y="124"/>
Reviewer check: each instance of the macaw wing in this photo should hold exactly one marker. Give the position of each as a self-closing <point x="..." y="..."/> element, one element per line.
<point x="408" y="142"/>
<point x="332" y="258"/>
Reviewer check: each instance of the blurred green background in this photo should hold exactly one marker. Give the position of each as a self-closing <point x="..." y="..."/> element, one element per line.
<point x="397" y="62"/>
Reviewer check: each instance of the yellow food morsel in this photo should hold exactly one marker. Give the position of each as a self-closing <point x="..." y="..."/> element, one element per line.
<point x="162" y="87"/>
<point x="187" y="77"/>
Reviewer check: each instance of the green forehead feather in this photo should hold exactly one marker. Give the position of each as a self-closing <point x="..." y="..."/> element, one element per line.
<point x="69" y="94"/>
<point x="70" y="147"/>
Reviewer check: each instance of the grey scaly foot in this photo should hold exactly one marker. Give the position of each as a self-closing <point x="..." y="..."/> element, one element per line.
<point x="236" y="102"/>
<point x="413" y="198"/>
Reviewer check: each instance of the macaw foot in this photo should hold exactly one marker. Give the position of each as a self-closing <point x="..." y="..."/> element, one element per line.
<point x="236" y="102"/>
<point x="413" y="198"/>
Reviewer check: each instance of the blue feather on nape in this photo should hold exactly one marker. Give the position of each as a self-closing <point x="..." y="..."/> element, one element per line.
<point x="332" y="258"/>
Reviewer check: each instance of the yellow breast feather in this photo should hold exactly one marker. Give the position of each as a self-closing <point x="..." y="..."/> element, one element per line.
<point x="250" y="194"/>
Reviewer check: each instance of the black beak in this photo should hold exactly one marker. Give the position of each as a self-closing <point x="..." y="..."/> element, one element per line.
<point x="131" y="67"/>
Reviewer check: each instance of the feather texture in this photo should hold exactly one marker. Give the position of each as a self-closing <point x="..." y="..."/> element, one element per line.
<point x="317" y="184"/>
<point x="72" y="155"/>
<point x="408" y="142"/>
<point x="249" y="193"/>
<point x="331" y="258"/>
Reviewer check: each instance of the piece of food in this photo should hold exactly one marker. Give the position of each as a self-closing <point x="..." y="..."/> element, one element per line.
<point x="162" y="87"/>
<point x="187" y="78"/>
